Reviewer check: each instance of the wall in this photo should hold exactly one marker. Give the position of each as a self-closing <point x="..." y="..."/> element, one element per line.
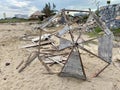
<point x="109" y="14"/>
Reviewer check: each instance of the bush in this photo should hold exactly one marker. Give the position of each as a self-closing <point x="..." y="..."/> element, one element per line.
<point x="95" y="33"/>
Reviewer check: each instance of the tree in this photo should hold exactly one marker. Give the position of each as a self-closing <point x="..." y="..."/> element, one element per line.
<point x="48" y="10"/>
<point x="108" y="2"/>
<point x="84" y="18"/>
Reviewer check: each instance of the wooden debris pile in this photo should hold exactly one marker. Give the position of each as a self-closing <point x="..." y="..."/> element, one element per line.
<point x="67" y="53"/>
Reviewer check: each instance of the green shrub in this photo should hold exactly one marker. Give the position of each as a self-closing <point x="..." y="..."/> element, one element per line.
<point x="95" y="33"/>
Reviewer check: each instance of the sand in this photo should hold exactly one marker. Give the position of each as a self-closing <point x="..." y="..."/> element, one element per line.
<point x="33" y="77"/>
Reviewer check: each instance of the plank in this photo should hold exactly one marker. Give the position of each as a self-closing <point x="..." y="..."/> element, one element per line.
<point x="73" y="66"/>
<point x="37" y="44"/>
<point x="105" y="47"/>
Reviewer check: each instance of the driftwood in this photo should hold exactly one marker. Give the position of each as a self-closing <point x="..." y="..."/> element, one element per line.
<point x="37" y="44"/>
<point x="45" y="65"/>
<point x="74" y="66"/>
<point x="43" y="37"/>
<point x="29" y="60"/>
<point x="56" y="61"/>
<point x="105" y="47"/>
<point x="20" y="64"/>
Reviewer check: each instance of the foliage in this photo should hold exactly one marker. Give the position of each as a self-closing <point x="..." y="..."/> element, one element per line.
<point x="98" y="31"/>
<point x="95" y="33"/>
<point x="116" y="32"/>
<point x="108" y="1"/>
<point x="85" y="17"/>
<point x="81" y="19"/>
<point x="49" y="10"/>
<point x="97" y="12"/>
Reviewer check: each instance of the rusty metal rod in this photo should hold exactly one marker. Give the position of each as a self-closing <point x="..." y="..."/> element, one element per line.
<point x="92" y="53"/>
<point x="30" y="59"/>
<point x="101" y="70"/>
<point x="20" y="64"/>
<point x="81" y="64"/>
<point x="45" y="65"/>
<point x="39" y="52"/>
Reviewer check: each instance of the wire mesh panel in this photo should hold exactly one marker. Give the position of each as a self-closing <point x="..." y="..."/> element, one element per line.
<point x="105" y="47"/>
<point x="73" y="67"/>
<point x="64" y="43"/>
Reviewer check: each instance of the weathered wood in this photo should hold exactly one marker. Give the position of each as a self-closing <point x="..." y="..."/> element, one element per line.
<point x="63" y="31"/>
<point x="47" y="23"/>
<point x="64" y="43"/>
<point x="29" y="60"/>
<point x="44" y="64"/>
<point x="43" y="37"/>
<point x="105" y="47"/>
<point x="101" y="24"/>
<point x="91" y="53"/>
<point x="53" y="55"/>
<point x="20" y="64"/>
<point x="73" y="66"/>
<point x="75" y="10"/>
<point x="54" y="60"/>
<point x="37" y="44"/>
<point x="52" y="43"/>
<point x="50" y="59"/>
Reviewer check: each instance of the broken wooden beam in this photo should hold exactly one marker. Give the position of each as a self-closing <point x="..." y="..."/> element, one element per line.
<point x="37" y="44"/>
<point x="69" y="10"/>
<point x="29" y="60"/>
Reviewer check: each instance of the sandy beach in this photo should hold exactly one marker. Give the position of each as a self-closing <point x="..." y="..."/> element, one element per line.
<point x="33" y="77"/>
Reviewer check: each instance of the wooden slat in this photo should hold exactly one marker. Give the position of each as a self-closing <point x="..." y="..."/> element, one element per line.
<point x="105" y="47"/>
<point x="37" y="44"/>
